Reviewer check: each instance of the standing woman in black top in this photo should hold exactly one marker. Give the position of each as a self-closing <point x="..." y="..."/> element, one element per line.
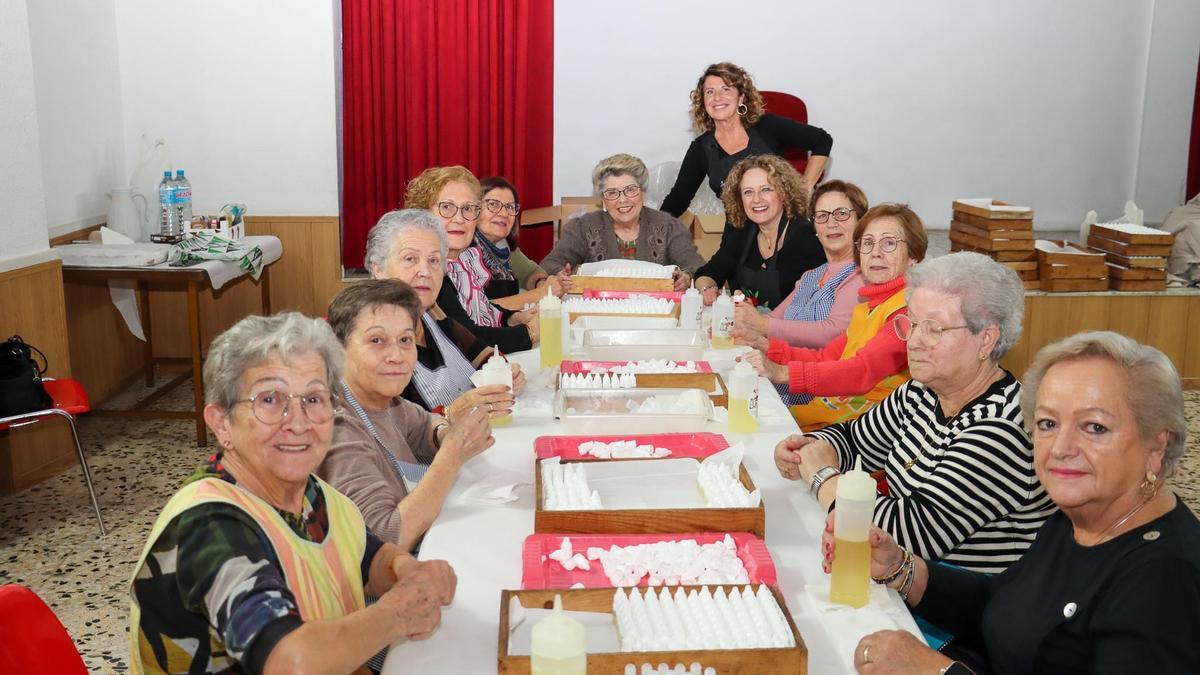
<point x="771" y="243"/>
<point x="728" y="113"/>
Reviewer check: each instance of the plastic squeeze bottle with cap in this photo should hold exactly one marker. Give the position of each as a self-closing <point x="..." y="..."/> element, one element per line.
<point x="496" y="370"/>
<point x="558" y="645"/>
<point x="722" y="322"/>
<point x="743" y="399"/>
<point x="851" y="578"/>
<point x="550" y="329"/>
<point x="691" y="306"/>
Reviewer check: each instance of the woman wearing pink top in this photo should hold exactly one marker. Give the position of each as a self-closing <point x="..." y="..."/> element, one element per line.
<point x="819" y="307"/>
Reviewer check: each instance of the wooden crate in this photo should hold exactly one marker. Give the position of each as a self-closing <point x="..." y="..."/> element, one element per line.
<point x="1146" y="262"/>
<point x="987" y="223"/>
<point x="1137" y="285"/>
<point x="1124" y="249"/>
<point x="642" y="521"/>
<point x="791" y="660"/>
<point x="1136" y="273"/>
<point x="990" y="233"/>
<point x="1073" y="285"/>
<point x="999" y="256"/>
<point x="709" y="382"/>
<point x="1152" y="238"/>
<point x="1025" y="213"/>
<point x="673" y="314"/>
<point x="580" y="283"/>
<point x="1022" y="266"/>
<point x="985" y="244"/>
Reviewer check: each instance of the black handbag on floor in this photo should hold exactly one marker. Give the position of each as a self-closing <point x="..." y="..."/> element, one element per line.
<point x="21" y="389"/>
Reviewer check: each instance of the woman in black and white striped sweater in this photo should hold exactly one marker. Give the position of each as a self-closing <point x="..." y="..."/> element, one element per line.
<point x="951" y="442"/>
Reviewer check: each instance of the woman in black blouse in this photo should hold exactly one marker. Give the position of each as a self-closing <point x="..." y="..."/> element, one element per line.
<point x="1112" y="582"/>
<point x="771" y="243"/>
<point x="728" y="113"/>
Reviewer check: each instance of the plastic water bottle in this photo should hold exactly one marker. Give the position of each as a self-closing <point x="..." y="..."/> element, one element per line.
<point x="168" y="217"/>
<point x="183" y="199"/>
<point x="691" y="307"/>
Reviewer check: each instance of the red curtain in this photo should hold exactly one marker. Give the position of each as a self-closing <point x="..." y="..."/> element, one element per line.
<point x="1193" y="174"/>
<point x="432" y="83"/>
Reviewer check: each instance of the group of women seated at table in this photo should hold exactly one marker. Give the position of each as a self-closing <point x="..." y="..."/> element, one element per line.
<point x="1028" y="527"/>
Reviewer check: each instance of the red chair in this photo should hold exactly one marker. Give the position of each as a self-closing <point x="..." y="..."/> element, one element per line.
<point x="69" y="400"/>
<point x="32" y="639"/>
<point x="791" y="107"/>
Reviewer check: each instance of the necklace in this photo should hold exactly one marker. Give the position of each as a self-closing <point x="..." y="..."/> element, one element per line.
<point x="1112" y="529"/>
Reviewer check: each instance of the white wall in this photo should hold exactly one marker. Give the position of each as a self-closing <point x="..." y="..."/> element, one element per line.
<point x="1167" y="115"/>
<point x="1035" y="102"/>
<point x="74" y="44"/>
<point x="251" y="114"/>
<point x="22" y="203"/>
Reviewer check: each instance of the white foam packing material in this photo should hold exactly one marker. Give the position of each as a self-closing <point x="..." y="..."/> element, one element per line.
<point x="638" y="304"/>
<point x="597" y="381"/>
<point x="665" y="669"/>
<point x="652" y="367"/>
<point x="565" y="487"/>
<point x="671" y="563"/>
<point x="658" y="620"/>
<point x="723" y="488"/>
<point x="690" y="401"/>
<point x="621" y="450"/>
<point x="636" y="272"/>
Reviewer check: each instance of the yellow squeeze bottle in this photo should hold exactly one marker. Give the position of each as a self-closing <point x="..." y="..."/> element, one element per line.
<point x="851" y="577"/>
<point x="558" y="645"/>
<point x="722" y="322"/>
<point x="550" y="328"/>
<point x="743" y="399"/>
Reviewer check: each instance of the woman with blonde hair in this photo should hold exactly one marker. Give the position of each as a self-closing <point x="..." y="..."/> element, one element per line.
<point x="772" y="242"/>
<point x="728" y="113"/>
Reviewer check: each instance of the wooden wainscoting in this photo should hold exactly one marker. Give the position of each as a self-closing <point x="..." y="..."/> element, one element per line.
<point x="1170" y="322"/>
<point x="305" y="279"/>
<point x="31" y="305"/>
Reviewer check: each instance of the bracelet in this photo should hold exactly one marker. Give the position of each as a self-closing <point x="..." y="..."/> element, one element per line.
<point x="437" y="428"/>
<point x="906" y="585"/>
<point x="894" y="574"/>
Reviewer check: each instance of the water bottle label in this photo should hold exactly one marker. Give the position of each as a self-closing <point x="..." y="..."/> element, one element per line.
<point x="752" y="402"/>
<point x="166" y="196"/>
<point x="726" y="326"/>
<point x="183" y="194"/>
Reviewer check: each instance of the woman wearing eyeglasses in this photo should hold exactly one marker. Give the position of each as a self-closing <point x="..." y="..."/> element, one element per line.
<point x="452" y="194"/>
<point x="510" y="270"/>
<point x="255" y="564"/>
<point x="854" y="372"/>
<point x="625" y="228"/>
<point x="728" y="113"/>
<point x="771" y="243"/>
<point x="951" y="441"/>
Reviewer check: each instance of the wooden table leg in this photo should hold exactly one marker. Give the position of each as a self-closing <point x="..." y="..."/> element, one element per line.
<point x="143" y="290"/>
<point x="193" y="297"/>
<point x="264" y="285"/>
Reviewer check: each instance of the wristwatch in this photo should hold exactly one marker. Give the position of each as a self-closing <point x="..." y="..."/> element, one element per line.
<point x="820" y="477"/>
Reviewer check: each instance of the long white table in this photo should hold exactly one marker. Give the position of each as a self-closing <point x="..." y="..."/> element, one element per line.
<point x="483" y="543"/>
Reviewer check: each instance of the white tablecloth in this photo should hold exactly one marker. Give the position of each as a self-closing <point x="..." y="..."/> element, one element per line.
<point x="483" y="543"/>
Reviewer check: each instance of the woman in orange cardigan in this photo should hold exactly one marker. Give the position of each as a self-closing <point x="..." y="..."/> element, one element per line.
<point x="857" y="370"/>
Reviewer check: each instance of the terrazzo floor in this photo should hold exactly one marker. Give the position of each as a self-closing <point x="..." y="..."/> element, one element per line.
<point x="49" y="541"/>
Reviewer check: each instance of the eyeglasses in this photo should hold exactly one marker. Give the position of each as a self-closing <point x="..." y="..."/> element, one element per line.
<point x="886" y="244"/>
<point x="448" y="209"/>
<point x="494" y="206"/>
<point x="906" y="328"/>
<point x="840" y="215"/>
<point x="630" y="191"/>
<point x="271" y="407"/>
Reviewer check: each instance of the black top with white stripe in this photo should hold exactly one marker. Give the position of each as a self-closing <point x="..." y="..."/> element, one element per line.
<point x="971" y="497"/>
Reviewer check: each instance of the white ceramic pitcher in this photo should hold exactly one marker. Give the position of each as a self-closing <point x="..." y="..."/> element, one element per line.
<point x="123" y="215"/>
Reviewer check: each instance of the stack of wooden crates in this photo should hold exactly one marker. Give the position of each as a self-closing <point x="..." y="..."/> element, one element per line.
<point x="1065" y="268"/>
<point x="1136" y="255"/>
<point x="998" y="230"/>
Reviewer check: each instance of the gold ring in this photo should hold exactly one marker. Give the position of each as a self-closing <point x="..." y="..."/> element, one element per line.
<point x="867" y="654"/>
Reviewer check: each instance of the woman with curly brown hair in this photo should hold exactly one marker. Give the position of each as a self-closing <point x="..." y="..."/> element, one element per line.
<point x="772" y="243"/>
<point x="728" y="113"/>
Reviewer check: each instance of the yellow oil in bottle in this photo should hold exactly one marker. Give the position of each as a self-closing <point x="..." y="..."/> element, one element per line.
<point x="551" y="341"/>
<point x="741" y="421"/>
<point x="720" y="342"/>
<point x="574" y="665"/>
<point x="851" y="580"/>
<point x="500" y="421"/>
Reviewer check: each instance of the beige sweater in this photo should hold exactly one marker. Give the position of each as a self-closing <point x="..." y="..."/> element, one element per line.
<point x="358" y="468"/>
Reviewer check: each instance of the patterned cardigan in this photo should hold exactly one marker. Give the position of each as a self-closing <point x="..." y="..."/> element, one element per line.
<point x="590" y="238"/>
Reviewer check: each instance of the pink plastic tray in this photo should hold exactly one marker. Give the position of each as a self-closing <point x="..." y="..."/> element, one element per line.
<point x="539" y="571"/>
<point x="617" y="295"/>
<point x="568" y="367"/>
<point x="698" y="445"/>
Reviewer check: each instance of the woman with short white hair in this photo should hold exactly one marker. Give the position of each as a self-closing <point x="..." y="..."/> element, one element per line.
<point x="951" y="441"/>
<point x="1112" y="583"/>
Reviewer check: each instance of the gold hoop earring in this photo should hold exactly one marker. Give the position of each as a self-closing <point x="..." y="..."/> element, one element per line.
<point x="742" y="109"/>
